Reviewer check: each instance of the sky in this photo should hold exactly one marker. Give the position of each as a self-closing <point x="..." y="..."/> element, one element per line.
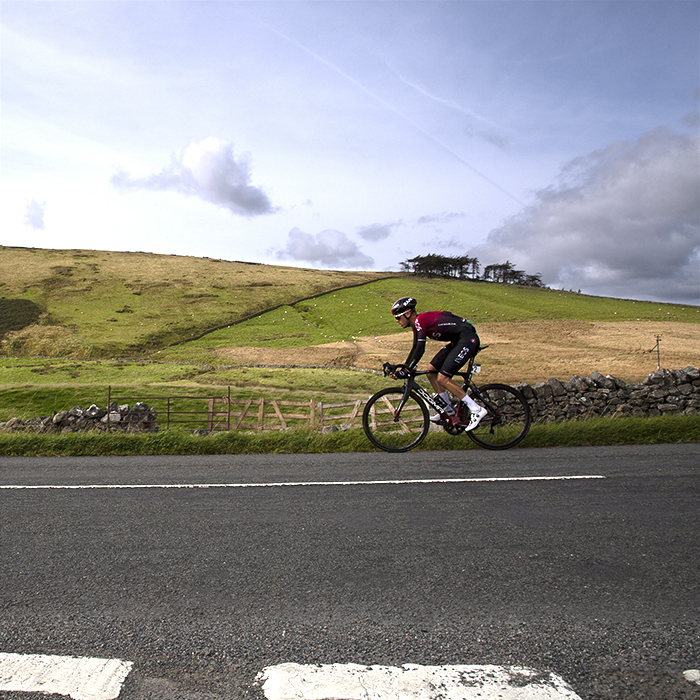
<point x="561" y="135"/>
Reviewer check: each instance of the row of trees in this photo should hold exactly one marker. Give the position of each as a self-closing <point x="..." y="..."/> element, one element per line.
<point x="465" y="267"/>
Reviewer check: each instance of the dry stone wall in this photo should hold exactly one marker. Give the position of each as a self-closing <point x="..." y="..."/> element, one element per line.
<point x="115" y="418"/>
<point x="675" y="391"/>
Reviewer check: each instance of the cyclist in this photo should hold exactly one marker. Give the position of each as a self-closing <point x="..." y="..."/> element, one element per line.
<point x="463" y="343"/>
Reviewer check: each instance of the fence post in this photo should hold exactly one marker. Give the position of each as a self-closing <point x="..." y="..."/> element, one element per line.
<point x="355" y="411"/>
<point x="228" y="410"/>
<point x="658" y="352"/>
<point x="261" y="412"/>
<point x="312" y="414"/>
<point x="210" y="416"/>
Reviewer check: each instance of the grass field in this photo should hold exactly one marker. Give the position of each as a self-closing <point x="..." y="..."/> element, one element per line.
<point x="30" y="388"/>
<point x="598" y="432"/>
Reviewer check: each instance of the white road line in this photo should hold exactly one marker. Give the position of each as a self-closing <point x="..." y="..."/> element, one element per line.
<point x="298" y="483"/>
<point x="79" y="678"/>
<point x="292" y="681"/>
<point x="692" y="676"/>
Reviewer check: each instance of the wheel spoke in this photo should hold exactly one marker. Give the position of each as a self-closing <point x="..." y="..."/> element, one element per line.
<point x="385" y="431"/>
<point x="508" y="420"/>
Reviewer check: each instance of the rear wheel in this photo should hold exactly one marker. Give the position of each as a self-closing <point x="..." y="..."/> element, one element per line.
<point x="389" y="431"/>
<point x="508" y="418"/>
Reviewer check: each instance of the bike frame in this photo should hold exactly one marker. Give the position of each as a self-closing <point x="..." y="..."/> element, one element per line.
<point x="412" y="385"/>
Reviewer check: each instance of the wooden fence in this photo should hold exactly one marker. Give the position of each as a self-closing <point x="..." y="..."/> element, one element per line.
<point x="215" y="413"/>
<point x="271" y="414"/>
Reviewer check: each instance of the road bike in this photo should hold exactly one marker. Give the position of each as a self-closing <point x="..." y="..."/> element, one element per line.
<point x="397" y="419"/>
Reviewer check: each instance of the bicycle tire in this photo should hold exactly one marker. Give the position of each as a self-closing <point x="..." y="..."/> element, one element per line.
<point x="390" y="435"/>
<point x="508" y="419"/>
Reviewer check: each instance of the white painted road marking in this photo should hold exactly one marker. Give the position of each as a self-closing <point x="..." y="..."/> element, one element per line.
<point x="79" y="678"/>
<point x="300" y="483"/>
<point x="692" y="676"/>
<point x="292" y="681"/>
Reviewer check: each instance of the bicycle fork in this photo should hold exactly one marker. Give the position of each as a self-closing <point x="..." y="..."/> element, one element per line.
<point x="402" y="403"/>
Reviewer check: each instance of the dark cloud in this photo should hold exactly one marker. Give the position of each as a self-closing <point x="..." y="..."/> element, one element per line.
<point x="34" y="215"/>
<point x="623" y="221"/>
<point x="377" y="232"/>
<point x="209" y="170"/>
<point x="492" y="137"/>
<point x="328" y="248"/>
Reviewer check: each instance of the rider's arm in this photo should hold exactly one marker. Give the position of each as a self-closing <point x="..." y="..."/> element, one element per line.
<point x="417" y="350"/>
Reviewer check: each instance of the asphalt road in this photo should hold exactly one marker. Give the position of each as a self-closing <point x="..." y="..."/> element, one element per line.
<point x="596" y="579"/>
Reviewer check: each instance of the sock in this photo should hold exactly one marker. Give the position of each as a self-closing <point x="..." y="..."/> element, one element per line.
<point x="446" y="399"/>
<point x="473" y="405"/>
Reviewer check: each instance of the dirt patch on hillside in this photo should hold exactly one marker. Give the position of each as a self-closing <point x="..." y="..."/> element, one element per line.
<point x="528" y="351"/>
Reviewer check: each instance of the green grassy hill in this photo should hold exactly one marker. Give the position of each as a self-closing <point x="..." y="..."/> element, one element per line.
<point x="83" y="303"/>
<point x="365" y="311"/>
<point x="92" y="304"/>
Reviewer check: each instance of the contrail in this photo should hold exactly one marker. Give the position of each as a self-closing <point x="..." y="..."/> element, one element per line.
<point x="441" y="100"/>
<point x="391" y="108"/>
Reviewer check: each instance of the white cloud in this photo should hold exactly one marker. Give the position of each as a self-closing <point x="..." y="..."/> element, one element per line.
<point x="209" y="170"/>
<point x="34" y="215"/>
<point x="444" y="217"/>
<point x="622" y="221"/>
<point x="329" y="248"/>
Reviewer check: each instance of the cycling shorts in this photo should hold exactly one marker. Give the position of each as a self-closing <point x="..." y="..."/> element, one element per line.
<point x="455" y="355"/>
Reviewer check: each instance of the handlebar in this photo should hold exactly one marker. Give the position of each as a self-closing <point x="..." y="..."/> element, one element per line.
<point x="390" y="369"/>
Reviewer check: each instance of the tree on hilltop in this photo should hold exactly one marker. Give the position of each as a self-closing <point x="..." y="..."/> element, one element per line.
<point x="465" y="267"/>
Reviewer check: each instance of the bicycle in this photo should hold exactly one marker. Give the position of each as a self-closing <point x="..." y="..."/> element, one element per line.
<point x="397" y="419"/>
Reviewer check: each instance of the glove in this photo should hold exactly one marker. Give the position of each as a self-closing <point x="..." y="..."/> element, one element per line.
<point x="402" y="373"/>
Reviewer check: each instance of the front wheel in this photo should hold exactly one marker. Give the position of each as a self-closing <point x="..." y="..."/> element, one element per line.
<point x="393" y="427"/>
<point x="508" y="418"/>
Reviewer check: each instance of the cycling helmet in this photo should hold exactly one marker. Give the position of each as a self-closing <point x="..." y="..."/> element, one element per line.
<point x="403" y="305"/>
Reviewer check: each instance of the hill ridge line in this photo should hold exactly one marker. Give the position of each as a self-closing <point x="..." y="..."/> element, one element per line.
<point x="278" y="306"/>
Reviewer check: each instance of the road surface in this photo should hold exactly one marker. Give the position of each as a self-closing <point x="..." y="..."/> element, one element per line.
<point x="454" y="558"/>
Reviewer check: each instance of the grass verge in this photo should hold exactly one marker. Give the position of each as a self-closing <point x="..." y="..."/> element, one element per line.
<point x="596" y="432"/>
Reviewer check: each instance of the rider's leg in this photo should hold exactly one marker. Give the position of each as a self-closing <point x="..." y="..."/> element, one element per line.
<point x="433" y="378"/>
<point x="445" y="383"/>
<point x="459" y="392"/>
<point x="436" y="365"/>
<point x="440" y="393"/>
<point x="456" y="358"/>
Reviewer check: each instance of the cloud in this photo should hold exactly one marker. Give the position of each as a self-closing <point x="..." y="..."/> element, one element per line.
<point x="377" y="232"/>
<point x="444" y="217"/>
<point x="491" y="137"/>
<point x="34" y="215"/>
<point x="329" y="248"/>
<point x="207" y="169"/>
<point x="623" y="221"/>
